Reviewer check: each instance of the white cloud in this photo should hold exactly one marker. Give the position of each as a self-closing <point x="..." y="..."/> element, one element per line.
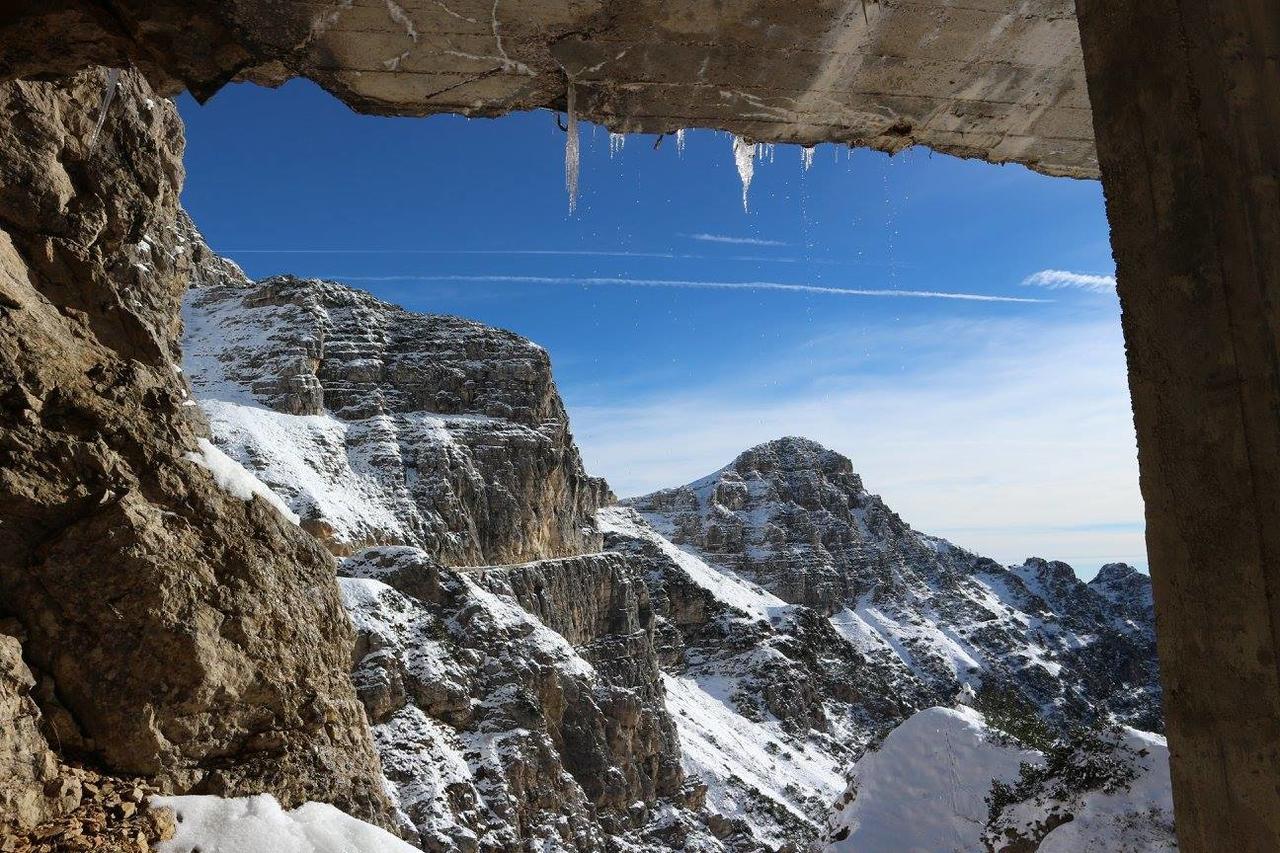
<point x="725" y="238"/>
<point x="590" y="281"/>
<point x="1010" y="438"/>
<point x="1055" y="279"/>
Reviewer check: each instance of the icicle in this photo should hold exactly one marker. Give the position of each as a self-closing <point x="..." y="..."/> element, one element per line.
<point x="113" y="78"/>
<point x="806" y="158"/>
<point x="680" y="142"/>
<point x="744" y="158"/>
<point x="616" y="141"/>
<point x="572" y="158"/>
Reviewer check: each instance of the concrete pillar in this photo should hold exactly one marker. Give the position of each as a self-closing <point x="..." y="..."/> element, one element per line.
<point x="1186" y="110"/>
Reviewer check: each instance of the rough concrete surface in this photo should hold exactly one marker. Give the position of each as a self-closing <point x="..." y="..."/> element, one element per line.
<point x="996" y="79"/>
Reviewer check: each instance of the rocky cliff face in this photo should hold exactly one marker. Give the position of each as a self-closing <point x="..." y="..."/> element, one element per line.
<point x="166" y="623"/>
<point x="498" y="732"/>
<point x="792" y="517"/>
<point x="382" y="426"/>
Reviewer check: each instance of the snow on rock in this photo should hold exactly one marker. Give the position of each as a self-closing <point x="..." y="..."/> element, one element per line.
<point x="748" y="766"/>
<point x="211" y="824"/>
<point x="793" y="518"/>
<point x="234" y="478"/>
<point x="1106" y="792"/>
<point x="381" y="426"/>
<point x="923" y="789"/>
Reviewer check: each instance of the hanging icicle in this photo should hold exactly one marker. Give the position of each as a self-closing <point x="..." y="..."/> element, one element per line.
<point x="806" y="157"/>
<point x="572" y="151"/>
<point x="680" y="142"/>
<point x="744" y="154"/>
<point x="616" y="141"/>
<point x="113" y="79"/>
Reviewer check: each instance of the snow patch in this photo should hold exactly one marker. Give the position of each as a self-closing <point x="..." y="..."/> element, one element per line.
<point x="213" y="824"/>
<point x="234" y="478"/>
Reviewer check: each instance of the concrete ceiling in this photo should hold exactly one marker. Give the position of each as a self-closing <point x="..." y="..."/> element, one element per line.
<point x="1001" y="80"/>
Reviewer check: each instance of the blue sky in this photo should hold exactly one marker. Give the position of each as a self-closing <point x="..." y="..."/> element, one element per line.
<point x="1002" y="425"/>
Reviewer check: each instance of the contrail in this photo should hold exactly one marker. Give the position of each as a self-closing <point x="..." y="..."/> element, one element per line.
<point x="710" y="285"/>
<point x="724" y="238"/>
<point x="666" y="256"/>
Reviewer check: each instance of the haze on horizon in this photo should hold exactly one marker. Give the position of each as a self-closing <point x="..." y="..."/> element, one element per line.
<point x="949" y="325"/>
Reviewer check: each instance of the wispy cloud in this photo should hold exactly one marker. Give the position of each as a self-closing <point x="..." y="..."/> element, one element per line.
<point x="589" y="281"/>
<point x="1055" y="279"/>
<point x="1011" y="437"/>
<point x="587" y="252"/>
<point x="726" y="238"/>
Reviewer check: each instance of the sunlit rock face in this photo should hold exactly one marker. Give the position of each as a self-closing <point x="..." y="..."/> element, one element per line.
<point x="382" y="426"/>
<point x="166" y="622"/>
<point x="1001" y="80"/>
<point x="792" y="517"/>
<point x="500" y="729"/>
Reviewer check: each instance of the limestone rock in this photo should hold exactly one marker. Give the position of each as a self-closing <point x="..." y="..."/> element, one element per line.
<point x="30" y="788"/>
<point x="498" y="733"/>
<point x="793" y="517"/>
<point x="169" y="624"/>
<point x="390" y="427"/>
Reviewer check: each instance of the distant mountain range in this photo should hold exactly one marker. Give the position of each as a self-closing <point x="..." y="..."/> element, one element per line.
<point x="699" y="668"/>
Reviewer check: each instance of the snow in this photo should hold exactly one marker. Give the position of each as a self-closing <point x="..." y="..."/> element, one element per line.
<point x="742" y="761"/>
<point x="232" y="477"/>
<point x="726" y="586"/>
<point x="1137" y="820"/>
<point x="744" y="154"/>
<point x="923" y="789"/>
<point x="213" y="824"/>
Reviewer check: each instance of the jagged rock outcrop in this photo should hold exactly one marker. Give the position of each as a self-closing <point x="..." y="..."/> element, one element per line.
<point x="497" y="732"/>
<point x="386" y="427"/>
<point x="793" y="517"/>
<point x="168" y="623"/>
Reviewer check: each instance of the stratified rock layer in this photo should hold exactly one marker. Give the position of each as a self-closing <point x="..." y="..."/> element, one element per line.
<point x="174" y="630"/>
<point x="388" y="427"/>
<point x="499" y="733"/>
<point x="793" y="517"/>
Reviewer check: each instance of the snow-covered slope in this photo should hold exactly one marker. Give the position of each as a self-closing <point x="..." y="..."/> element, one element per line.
<point x="931" y="787"/>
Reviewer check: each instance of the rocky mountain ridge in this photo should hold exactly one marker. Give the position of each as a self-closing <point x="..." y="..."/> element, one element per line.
<point x="792" y="517"/>
<point x="381" y="426"/>
<point x="711" y="675"/>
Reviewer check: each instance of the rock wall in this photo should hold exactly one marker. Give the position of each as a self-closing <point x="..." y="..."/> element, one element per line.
<point x="174" y="630"/>
<point x="384" y="426"/>
<point x="498" y="733"/>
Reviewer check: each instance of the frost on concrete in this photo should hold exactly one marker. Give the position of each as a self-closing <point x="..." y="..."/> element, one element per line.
<point x="744" y="154"/>
<point x="254" y="824"/>
<point x="234" y="478"/>
<point x="572" y="152"/>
